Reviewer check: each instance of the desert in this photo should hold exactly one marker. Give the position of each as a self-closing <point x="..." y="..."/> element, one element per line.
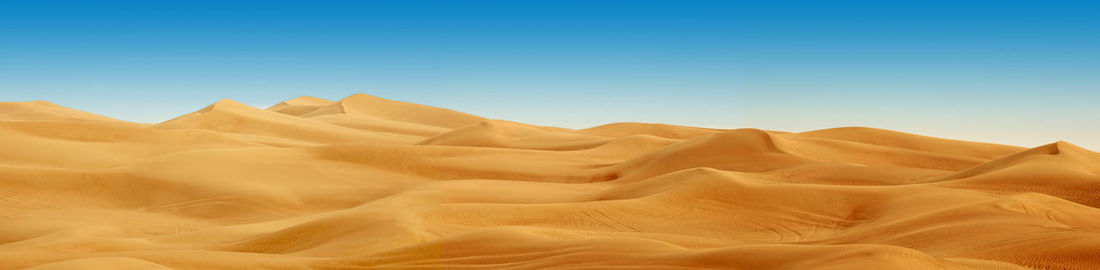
<point x="371" y="183"/>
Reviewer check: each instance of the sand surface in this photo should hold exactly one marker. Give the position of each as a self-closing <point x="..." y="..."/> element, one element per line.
<point x="365" y="182"/>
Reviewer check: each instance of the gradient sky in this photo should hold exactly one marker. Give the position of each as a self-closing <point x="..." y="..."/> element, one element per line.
<point x="1014" y="72"/>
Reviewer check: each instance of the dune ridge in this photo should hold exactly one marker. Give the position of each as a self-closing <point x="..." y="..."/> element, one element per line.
<point x="369" y="183"/>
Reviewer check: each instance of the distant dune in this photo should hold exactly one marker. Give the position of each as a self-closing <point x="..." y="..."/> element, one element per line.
<point x="370" y="183"/>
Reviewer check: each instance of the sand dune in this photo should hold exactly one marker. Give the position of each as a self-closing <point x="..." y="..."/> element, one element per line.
<point x="233" y="117"/>
<point x="370" y="183"/>
<point x="300" y="106"/>
<point x="44" y="111"/>
<point x="503" y="134"/>
<point x="375" y="107"/>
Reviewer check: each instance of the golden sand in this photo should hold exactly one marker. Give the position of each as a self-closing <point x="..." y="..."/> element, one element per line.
<point x="366" y="183"/>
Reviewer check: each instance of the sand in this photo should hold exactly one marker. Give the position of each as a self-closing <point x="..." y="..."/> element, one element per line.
<point x="365" y="183"/>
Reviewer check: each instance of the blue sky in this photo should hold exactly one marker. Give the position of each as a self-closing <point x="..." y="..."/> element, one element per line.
<point x="1014" y="72"/>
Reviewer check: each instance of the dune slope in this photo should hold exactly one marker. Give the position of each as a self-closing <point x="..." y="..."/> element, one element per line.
<point x="369" y="183"/>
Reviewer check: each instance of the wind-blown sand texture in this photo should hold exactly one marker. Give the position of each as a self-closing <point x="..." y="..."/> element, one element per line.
<point x="366" y="183"/>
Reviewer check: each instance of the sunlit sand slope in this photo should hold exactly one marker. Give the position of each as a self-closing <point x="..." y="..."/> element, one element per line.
<point x="370" y="183"/>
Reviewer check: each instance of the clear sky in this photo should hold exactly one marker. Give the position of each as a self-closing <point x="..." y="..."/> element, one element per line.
<point x="1014" y="72"/>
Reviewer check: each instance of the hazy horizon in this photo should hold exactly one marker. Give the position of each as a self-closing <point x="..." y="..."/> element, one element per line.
<point x="1019" y="73"/>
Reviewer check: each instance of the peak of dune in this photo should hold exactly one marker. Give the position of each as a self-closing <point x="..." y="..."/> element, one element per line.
<point x="231" y="116"/>
<point x="34" y="102"/>
<point x="660" y="130"/>
<point x="14" y="106"/>
<point x="1064" y="149"/>
<point x="1058" y="148"/>
<point x="1060" y="155"/>
<point x="507" y="134"/>
<point x="376" y="107"/>
<point x="1063" y="146"/>
<point x="362" y="96"/>
<point x="484" y="133"/>
<point x="307" y="100"/>
<point x="507" y="128"/>
<point x="1058" y="169"/>
<point x="226" y="104"/>
<point x="300" y="106"/>
<point x="40" y="110"/>
<point x="744" y="150"/>
<point x="890" y="138"/>
<point x="223" y="105"/>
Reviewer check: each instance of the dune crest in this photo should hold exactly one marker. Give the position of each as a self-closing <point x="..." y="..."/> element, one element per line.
<point x="371" y="106"/>
<point x="44" y="111"/>
<point x="370" y="183"/>
<point x="504" y="134"/>
<point x="233" y="117"/>
<point x="300" y="105"/>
